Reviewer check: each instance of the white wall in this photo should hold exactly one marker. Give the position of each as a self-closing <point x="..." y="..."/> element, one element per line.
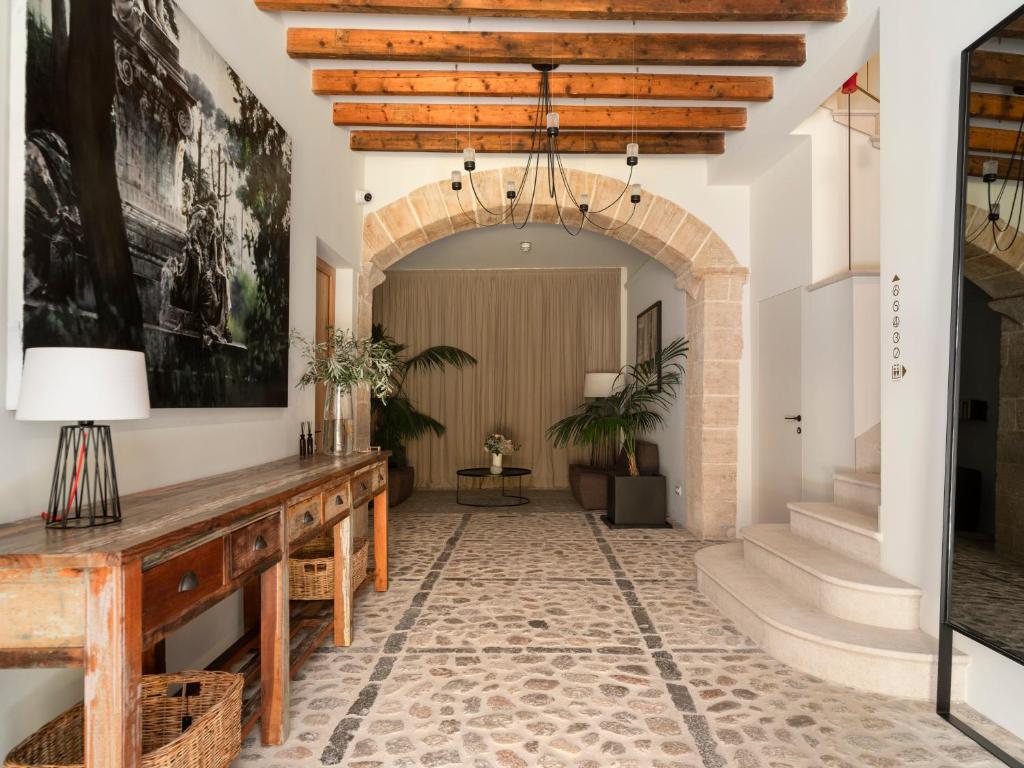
<point x="652" y="283"/>
<point x="831" y="197"/>
<point x="918" y="183"/>
<point x="177" y="445"/>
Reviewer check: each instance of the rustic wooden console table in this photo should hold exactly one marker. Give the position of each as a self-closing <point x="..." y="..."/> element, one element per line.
<point x="96" y="598"/>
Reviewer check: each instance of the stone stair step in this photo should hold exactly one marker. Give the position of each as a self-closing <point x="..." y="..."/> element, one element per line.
<point x="894" y="662"/>
<point x="838" y="585"/>
<point x="858" y="490"/>
<point x="850" y="532"/>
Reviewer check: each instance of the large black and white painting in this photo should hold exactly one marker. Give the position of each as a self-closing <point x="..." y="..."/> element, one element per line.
<point x="156" y="205"/>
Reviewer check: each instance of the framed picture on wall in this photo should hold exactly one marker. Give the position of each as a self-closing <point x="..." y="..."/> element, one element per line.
<point x="648" y="335"/>
<point x="153" y="210"/>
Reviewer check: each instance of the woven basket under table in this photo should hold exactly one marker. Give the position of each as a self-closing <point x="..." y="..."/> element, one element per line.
<point x="207" y="704"/>
<point x="311" y="569"/>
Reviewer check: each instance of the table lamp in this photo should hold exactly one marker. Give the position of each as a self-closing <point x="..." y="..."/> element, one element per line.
<point x="599" y="384"/>
<point x="85" y="385"/>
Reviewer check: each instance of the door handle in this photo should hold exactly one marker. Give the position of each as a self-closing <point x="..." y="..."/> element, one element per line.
<point x="798" y="418"/>
<point x="338" y="500"/>
<point x="307" y="518"/>
<point x="189" y="581"/>
<point x="259" y="544"/>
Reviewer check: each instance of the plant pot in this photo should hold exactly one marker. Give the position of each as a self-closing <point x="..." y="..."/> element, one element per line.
<point x="401" y="481"/>
<point x="637" y="502"/>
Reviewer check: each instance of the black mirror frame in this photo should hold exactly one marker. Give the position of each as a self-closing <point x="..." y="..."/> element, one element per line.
<point x="947" y="627"/>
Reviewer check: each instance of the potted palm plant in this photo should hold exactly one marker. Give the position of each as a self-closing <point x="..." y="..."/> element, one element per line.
<point x="396" y="419"/>
<point x="642" y="395"/>
<point x="344" y="363"/>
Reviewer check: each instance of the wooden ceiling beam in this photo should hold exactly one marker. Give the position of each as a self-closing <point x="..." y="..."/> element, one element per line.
<point x="996" y="106"/>
<point x="547" y="47"/>
<point x="648" y="10"/>
<point x="574" y="85"/>
<point x="991" y="140"/>
<point x="597" y="142"/>
<point x="1014" y="28"/>
<point x="997" y="68"/>
<point x="524" y="116"/>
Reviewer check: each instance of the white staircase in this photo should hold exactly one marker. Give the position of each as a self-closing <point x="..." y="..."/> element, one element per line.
<point x="812" y="595"/>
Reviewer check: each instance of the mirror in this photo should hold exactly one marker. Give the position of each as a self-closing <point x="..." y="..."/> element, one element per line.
<point x="985" y="569"/>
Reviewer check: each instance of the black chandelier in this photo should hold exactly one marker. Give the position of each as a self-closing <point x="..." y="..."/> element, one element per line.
<point x="544" y="143"/>
<point x="1013" y="216"/>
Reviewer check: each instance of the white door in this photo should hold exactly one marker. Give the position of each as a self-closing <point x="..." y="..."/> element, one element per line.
<point x="778" y="387"/>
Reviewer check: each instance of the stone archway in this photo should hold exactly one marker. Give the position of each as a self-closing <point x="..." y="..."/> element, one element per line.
<point x="704" y="266"/>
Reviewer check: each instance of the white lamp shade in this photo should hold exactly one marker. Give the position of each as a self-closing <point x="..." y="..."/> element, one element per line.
<point x="599" y="384"/>
<point x="83" y="384"/>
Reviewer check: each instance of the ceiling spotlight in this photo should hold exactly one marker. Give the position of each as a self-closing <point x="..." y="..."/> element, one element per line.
<point x="526" y="246"/>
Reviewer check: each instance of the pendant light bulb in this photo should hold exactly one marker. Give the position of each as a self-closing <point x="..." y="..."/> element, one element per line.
<point x="553" y="123"/>
<point x="584" y="203"/>
<point x="510" y="190"/>
<point x="634" y="193"/>
<point x="469" y="159"/>
<point x="632" y="154"/>
<point x="456" y="180"/>
<point x="990" y="171"/>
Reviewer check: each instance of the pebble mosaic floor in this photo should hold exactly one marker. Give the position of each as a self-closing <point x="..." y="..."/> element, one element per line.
<point x="536" y="636"/>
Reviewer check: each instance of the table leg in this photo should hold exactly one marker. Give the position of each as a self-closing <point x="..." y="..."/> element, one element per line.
<point x="343" y="582"/>
<point x="274" y="654"/>
<point x="113" y="667"/>
<point x="380" y="541"/>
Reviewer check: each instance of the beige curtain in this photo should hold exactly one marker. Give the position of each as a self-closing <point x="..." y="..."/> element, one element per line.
<point x="534" y="333"/>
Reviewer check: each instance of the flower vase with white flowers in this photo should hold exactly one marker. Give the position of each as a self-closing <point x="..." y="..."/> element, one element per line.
<point x="499" y="446"/>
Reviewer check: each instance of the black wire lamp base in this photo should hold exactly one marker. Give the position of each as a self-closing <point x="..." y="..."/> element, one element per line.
<point x="84" y="489"/>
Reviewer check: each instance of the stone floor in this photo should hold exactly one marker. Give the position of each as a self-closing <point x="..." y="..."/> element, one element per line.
<point x="538" y="637"/>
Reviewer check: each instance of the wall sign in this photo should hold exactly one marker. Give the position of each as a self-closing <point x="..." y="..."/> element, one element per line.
<point x="899" y="370"/>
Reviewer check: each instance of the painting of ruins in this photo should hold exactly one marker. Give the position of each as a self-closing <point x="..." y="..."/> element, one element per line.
<point x="157" y="203"/>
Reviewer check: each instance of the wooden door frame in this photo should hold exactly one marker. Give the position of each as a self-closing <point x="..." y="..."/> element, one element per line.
<point x="323" y="268"/>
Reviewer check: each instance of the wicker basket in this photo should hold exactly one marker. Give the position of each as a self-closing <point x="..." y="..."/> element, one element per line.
<point x="311" y="569"/>
<point x="212" y="700"/>
<point x="360" y="562"/>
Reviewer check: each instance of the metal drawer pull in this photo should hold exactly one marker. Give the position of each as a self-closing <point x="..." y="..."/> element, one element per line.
<point x="308" y="518"/>
<point x="338" y="500"/>
<point x="260" y="543"/>
<point x="189" y="581"/>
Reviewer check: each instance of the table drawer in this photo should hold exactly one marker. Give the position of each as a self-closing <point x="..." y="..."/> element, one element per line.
<point x="362" y="485"/>
<point x="337" y="500"/>
<point x="303" y="516"/>
<point x="255" y="544"/>
<point x="171" y="588"/>
<point x="370" y="481"/>
<point x="380" y="476"/>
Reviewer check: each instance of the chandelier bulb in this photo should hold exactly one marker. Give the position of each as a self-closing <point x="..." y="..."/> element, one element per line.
<point x="553" y="123"/>
<point x="469" y="159"/>
<point x="632" y="154"/>
<point x="584" y="203"/>
<point x="634" y="193"/>
<point x="510" y="190"/>
<point x="993" y="212"/>
<point x="990" y="171"/>
<point x="456" y="180"/>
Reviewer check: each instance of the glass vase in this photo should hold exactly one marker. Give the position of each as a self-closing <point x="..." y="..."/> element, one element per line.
<point x="339" y="421"/>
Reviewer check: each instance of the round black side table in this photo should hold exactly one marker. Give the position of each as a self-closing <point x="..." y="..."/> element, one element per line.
<point x="506" y="499"/>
